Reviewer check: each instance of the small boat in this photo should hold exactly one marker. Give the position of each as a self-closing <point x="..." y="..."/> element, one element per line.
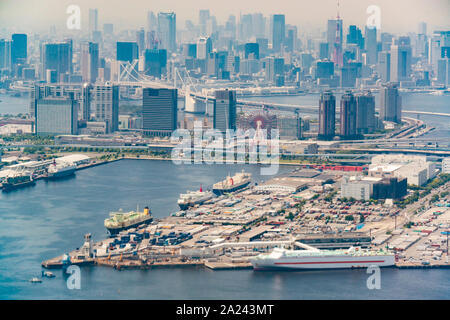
<point x="48" y="274"/>
<point x="35" y="280"/>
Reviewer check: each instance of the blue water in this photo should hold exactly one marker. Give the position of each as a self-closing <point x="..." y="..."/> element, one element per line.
<point x="44" y="221"/>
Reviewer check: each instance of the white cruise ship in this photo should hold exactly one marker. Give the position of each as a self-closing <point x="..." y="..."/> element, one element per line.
<point x="59" y="170"/>
<point x="323" y="259"/>
<point x="230" y="184"/>
<point x="191" y="198"/>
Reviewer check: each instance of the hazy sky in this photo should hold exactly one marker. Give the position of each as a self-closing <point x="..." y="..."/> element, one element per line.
<point x="396" y="15"/>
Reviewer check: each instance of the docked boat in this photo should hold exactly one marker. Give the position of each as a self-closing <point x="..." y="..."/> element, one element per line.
<point x="59" y="170"/>
<point x="323" y="259"/>
<point x="192" y="198"/>
<point x="119" y="221"/>
<point x="16" y="182"/>
<point x="230" y="184"/>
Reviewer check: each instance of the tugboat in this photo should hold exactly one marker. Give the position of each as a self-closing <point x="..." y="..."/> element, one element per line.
<point x="35" y="280"/>
<point x="119" y="221"/>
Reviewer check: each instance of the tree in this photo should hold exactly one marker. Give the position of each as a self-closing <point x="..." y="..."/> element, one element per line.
<point x="349" y="217"/>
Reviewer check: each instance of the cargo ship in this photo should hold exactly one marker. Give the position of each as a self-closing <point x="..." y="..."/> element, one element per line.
<point x="16" y="182"/>
<point x="119" y="221"/>
<point x="60" y="170"/>
<point x="353" y="257"/>
<point x="230" y="184"/>
<point x="192" y="198"/>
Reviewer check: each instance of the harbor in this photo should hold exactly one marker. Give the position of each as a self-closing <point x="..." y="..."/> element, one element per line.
<point x="289" y="211"/>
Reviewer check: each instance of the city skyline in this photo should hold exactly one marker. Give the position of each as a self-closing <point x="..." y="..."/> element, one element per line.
<point x="19" y="17"/>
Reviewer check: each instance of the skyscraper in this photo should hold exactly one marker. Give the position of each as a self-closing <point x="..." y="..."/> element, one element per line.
<point x="354" y="36"/>
<point x="57" y="57"/>
<point x="159" y="111"/>
<point x="390" y="103"/>
<point x="251" y="49"/>
<point x="155" y="62"/>
<point x="167" y="31"/>
<point x="327" y="116"/>
<point x="5" y="54"/>
<point x="89" y="61"/>
<point x="348" y="116"/>
<point x="203" y="17"/>
<point x="152" y="21"/>
<point x="204" y="47"/>
<point x="140" y="40"/>
<point x="278" y="31"/>
<point x="371" y="45"/>
<point x="127" y="51"/>
<point x="19" y="48"/>
<point x="400" y="60"/>
<point x="93" y="20"/>
<point x="105" y="105"/>
<point x="275" y="70"/>
<point x="225" y="110"/>
<point x="384" y="66"/>
<point x="56" y="116"/>
<point x="365" y="113"/>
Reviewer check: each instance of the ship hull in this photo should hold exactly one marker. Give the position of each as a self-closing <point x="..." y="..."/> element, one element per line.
<point x="11" y="187"/>
<point x="220" y="192"/>
<point x="114" y="231"/>
<point x="324" y="262"/>
<point x="60" y="174"/>
<point x="186" y="205"/>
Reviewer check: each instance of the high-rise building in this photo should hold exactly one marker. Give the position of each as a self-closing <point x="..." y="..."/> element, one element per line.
<point x="245" y="27"/>
<point x="324" y="69"/>
<point x="159" y="111"/>
<point x="5" y="54"/>
<point x="155" y="62"/>
<point x="127" y="51"/>
<point x="251" y="49"/>
<point x="56" y="116"/>
<point x="225" y="110"/>
<point x="390" y="103"/>
<point x="327" y="116"/>
<point x="275" y="70"/>
<point x="371" y="45"/>
<point x="57" y="57"/>
<point x="108" y="29"/>
<point x="140" y="40"/>
<point x="348" y="116"/>
<point x="152" y="21"/>
<point x="105" y="105"/>
<point x="89" y="61"/>
<point x="93" y="20"/>
<point x="167" y="31"/>
<point x="422" y="28"/>
<point x="443" y="71"/>
<point x="324" y="51"/>
<point x="203" y="18"/>
<point x="365" y="113"/>
<point x="278" y="32"/>
<point x="400" y="60"/>
<point x="204" y="47"/>
<point x="349" y="73"/>
<point x="19" y="48"/>
<point x="354" y="36"/>
<point x="384" y="66"/>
